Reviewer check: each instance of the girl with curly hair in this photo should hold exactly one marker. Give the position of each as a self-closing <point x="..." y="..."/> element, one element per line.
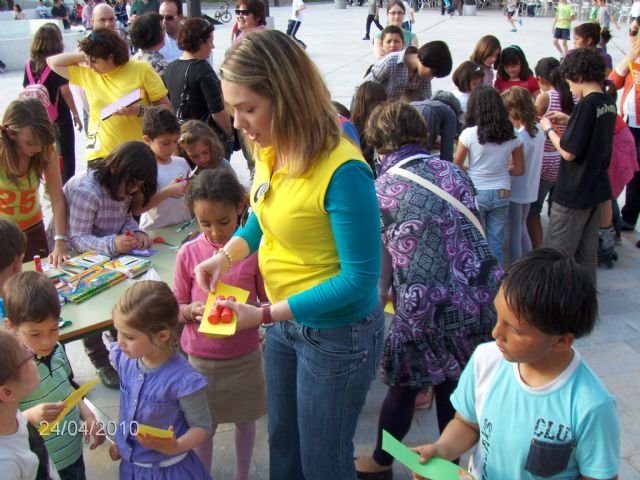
<point x="495" y="153"/>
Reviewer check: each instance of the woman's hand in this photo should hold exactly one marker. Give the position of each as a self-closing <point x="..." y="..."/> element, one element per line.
<point x="248" y="315"/>
<point x="209" y="272"/>
<point x="59" y="253"/>
<point x="130" y="111"/>
<point x="194" y="312"/>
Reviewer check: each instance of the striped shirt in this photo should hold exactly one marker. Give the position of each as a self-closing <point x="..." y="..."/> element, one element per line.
<point x="551" y="156"/>
<point x="64" y="443"/>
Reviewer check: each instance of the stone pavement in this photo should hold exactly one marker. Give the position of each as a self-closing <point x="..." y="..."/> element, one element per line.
<point x="334" y="42"/>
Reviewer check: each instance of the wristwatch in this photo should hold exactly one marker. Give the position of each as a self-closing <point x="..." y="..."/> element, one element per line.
<point x="550" y="129"/>
<point x="267" y="320"/>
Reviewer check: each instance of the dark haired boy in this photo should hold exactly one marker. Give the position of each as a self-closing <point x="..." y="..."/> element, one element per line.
<point x="412" y="69"/>
<point x="161" y="130"/>
<point x="33" y="310"/>
<point x="583" y="182"/>
<point x="528" y="402"/>
<point x="12" y="248"/>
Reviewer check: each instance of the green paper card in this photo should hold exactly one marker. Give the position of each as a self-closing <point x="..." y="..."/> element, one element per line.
<point x="435" y="469"/>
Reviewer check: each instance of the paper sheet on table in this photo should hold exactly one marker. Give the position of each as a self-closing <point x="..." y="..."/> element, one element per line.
<point x="435" y="469"/>
<point x="128" y="99"/>
<point x="221" y="329"/>
<point x="389" y="308"/>
<point x="154" y="432"/>
<point x="70" y="402"/>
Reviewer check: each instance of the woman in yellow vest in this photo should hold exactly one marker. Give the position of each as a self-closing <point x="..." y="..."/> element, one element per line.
<point x="315" y="222"/>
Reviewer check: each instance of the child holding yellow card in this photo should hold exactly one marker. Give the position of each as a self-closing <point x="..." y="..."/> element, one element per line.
<point x="33" y="310"/>
<point x="158" y="389"/>
<point x="233" y="365"/>
<point x="22" y="451"/>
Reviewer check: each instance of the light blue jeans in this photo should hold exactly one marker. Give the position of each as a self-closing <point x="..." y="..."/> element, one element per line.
<point x="493" y="215"/>
<point x="317" y="383"/>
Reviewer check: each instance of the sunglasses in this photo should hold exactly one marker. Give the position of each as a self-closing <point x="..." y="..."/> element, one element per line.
<point x="242" y="11"/>
<point x="168" y="18"/>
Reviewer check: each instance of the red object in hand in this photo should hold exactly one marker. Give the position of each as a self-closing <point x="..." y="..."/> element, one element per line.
<point x="37" y="263"/>
<point x="128" y="233"/>
<point x="214" y="313"/>
<point x="179" y="179"/>
<point x="227" y="314"/>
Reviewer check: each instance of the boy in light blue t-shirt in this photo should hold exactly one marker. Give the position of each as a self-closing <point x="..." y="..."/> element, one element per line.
<point x="528" y="402"/>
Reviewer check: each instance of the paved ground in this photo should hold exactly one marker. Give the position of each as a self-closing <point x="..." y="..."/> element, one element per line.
<point x="334" y="42"/>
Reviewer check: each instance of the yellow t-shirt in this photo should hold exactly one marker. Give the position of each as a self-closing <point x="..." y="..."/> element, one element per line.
<point x="102" y="90"/>
<point x="298" y="250"/>
<point x="21" y="202"/>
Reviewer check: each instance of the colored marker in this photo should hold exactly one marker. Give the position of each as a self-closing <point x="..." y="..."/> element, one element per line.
<point x="38" y="263"/>
<point x="227" y="314"/>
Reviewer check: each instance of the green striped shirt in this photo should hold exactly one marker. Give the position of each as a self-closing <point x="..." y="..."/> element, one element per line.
<point x="64" y="443"/>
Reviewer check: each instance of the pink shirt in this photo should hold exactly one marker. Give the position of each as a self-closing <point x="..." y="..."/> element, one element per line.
<point x="244" y="274"/>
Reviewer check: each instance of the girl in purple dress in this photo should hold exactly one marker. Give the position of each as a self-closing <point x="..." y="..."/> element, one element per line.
<point x="158" y="388"/>
<point x="439" y="267"/>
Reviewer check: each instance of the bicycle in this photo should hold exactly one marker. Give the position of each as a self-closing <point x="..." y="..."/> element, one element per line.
<point x="223" y="14"/>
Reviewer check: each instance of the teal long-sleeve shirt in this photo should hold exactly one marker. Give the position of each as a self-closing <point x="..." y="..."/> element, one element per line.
<point x="355" y="221"/>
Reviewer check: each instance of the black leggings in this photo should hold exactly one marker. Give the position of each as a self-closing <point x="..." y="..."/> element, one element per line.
<point x="372" y="19"/>
<point x="397" y="410"/>
<point x="67" y="147"/>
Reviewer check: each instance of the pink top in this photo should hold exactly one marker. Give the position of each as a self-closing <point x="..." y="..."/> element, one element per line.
<point x="244" y="274"/>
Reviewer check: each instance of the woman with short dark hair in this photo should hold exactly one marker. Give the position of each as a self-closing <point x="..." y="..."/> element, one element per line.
<point x="106" y="74"/>
<point x="147" y="35"/>
<point x="194" y="88"/>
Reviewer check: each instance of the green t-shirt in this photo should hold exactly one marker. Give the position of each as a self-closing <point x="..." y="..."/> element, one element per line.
<point x="565" y="12"/>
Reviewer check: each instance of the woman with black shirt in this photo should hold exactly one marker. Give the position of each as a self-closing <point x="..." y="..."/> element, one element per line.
<point x="194" y="88"/>
<point x="46" y="42"/>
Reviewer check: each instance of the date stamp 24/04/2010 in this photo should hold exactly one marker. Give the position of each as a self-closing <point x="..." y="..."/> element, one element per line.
<point x="110" y="428"/>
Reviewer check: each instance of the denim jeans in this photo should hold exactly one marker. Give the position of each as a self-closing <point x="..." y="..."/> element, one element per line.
<point x="493" y="215"/>
<point x="317" y="383"/>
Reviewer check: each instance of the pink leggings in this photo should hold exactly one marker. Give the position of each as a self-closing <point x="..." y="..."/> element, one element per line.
<point x="245" y="438"/>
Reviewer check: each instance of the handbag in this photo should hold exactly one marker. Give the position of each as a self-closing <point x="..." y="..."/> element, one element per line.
<point x="183" y="112"/>
<point x="446" y="196"/>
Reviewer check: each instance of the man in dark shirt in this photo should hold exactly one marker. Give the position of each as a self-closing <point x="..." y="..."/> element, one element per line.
<point x="583" y="182"/>
<point x="61" y="12"/>
<point x="140" y="7"/>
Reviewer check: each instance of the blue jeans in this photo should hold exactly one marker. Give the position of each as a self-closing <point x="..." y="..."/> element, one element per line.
<point x="317" y="383"/>
<point x="493" y="215"/>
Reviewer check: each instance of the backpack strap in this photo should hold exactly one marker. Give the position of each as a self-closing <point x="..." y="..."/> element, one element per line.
<point x="29" y="72"/>
<point x="44" y="75"/>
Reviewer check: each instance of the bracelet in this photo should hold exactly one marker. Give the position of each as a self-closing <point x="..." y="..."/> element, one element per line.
<point x="60" y="237"/>
<point x="141" y="112"/>
<point x="267" y="319"/>
<point x="550" y="129"/>
<point x="226" y="254"/>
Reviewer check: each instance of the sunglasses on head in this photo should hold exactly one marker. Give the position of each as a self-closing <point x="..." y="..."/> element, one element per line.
<point x="168" y="18"/>
<point x="242" y="11"/>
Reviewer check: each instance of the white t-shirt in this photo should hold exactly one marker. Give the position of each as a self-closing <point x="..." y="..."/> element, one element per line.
<point x="170" y="50"/>
<point x="17" y="461"/>
<point x="294" y="6"/>
<point x="524" y="189"/>
<point x="573" y="414"/>
<point x="488" y="163"/>
<point x="172" y="210"/>
<point x="463" y="98"/>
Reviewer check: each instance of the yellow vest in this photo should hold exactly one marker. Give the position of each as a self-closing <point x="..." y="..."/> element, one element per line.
<point x="298" y="250"/>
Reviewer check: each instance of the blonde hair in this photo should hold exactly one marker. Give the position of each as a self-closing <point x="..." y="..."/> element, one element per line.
<point x="304" y="126"/>
<point x="150" y="307"/>
<point x="195" y="131"/>
<point x="21" y="114"/>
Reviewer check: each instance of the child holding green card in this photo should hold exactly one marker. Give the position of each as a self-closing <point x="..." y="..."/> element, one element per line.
<point x="528" y="402"/>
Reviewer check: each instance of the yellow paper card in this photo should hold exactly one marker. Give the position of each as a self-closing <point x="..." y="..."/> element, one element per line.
<point x="154" y="432"/>
<point x="69" y="402"/>
<point x="388" y="308"/>
<point x="221" y="329"/>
